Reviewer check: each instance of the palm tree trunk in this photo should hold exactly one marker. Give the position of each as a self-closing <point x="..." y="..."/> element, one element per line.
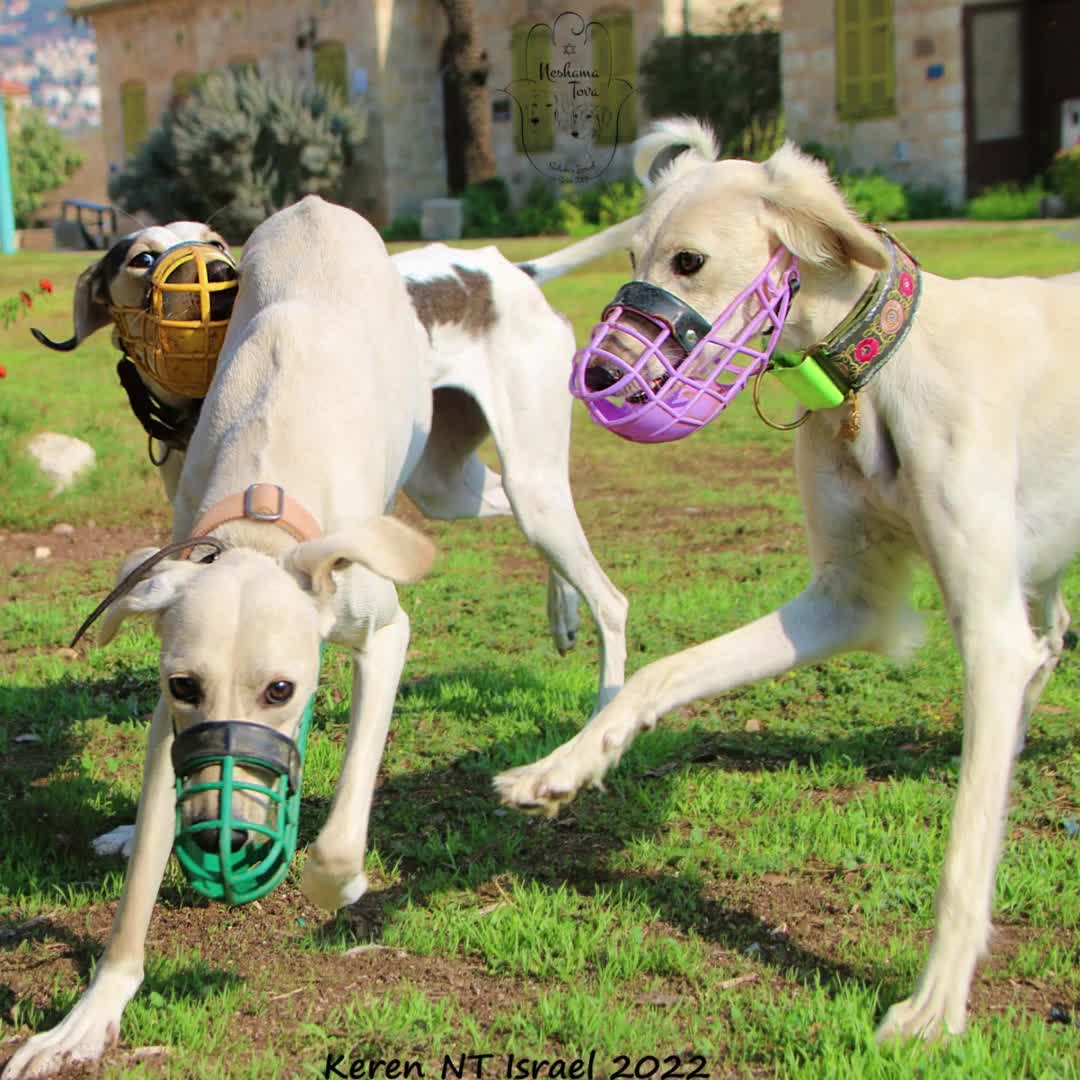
<point x="468" y="70"/>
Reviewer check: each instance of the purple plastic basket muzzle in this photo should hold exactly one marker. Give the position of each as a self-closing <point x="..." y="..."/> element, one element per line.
<point x="667" y="391"/>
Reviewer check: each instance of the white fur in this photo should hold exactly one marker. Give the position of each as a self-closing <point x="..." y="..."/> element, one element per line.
<point x="967" y="455"/>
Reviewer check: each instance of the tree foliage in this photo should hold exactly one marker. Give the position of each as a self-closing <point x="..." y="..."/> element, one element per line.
<point x="730" y="79"/>
<point x="41" y="160"/>
<point x="240" y="147"/>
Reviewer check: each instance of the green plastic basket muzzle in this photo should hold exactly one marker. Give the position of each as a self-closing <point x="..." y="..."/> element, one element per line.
<point x="205" y="848"/>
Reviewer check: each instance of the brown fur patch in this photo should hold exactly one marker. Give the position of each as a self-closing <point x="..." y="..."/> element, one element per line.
<point x="465" y="300"/>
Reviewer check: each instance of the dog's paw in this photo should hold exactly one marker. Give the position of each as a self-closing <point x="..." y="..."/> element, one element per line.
<point x="547" y="785"/>
<point x="562" y="609"/>
<point x="924" y="1015"/>
<point x="81" y="1037"/>
<point x="118" y="841"/>
<point x="331" y="889"/>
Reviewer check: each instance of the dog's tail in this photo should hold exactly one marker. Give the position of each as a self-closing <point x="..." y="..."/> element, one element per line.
<point x="570" y="258"/>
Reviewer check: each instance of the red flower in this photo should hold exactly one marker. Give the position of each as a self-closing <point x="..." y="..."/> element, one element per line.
<point x="45" y="285"/>
<point x="3" y="371"/>
<point x="907" y="284"/>
<point x="25" y="298"/>
<point x="866" y="350"/>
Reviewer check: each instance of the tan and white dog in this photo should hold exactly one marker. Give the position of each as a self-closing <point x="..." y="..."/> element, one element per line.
<point x="324" y="388"/>
<point x="967" y="455"/>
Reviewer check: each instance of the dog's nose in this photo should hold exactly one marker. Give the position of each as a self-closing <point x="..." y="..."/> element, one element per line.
<point x="207" y="839"/>
<point x="599" y="378"/>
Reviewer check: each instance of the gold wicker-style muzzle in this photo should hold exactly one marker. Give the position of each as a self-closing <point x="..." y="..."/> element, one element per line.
<point x="176" y="337"/>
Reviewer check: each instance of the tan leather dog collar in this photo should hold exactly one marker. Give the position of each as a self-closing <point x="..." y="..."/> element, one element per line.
<point x="259" y="502"/>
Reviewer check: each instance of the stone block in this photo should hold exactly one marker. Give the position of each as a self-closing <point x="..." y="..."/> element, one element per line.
<point x="441" y="219"/>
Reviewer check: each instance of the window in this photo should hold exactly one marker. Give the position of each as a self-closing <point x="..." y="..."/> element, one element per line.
<point x="133" y="110"/>
<point x="865" y="59"/>
<point x="531" y="57"/>
<point x="332" y="67"/>
<point x="616" y="120"/>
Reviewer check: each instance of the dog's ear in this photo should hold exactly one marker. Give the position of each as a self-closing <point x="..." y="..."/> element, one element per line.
<point x="668" y="140"/>
<point x="811" y="218"/>
<point x="153" y="594"/>
<point x="90" y="310"/>
<point x="383" y="545"/>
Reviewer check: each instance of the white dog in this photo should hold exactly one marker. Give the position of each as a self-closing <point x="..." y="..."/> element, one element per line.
<point x="966" y="453"/>
<point x="320" y="411"/>
<point x="492" y="334"/>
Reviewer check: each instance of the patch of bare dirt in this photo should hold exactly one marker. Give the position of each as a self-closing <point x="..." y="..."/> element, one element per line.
<point x="85" y="544"/>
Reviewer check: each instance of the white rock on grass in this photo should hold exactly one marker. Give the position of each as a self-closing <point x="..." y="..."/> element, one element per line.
<point x="61" y="458"/>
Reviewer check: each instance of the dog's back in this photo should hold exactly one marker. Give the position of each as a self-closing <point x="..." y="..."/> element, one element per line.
<point x="324" y="350"/>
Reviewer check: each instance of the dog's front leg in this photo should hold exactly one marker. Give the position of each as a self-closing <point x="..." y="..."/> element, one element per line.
<point x="334" y="871"/>
<point x="94" y="1023"/>
<point x="810" y="628"/>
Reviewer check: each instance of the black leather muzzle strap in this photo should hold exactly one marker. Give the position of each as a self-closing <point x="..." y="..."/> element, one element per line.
<point x="169" y="425"/>
<point x="253" y="743"/>
<point x="688" y="326"/>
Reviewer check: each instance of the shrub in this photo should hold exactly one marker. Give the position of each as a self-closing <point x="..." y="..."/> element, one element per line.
<point x="1007" y="202"/>
<point x="1065" y="177"/>
<point x="730" y="79"/>
<point x="586" y="210"/>
<point x="41" y="160"/>
<point x="486" y="208"/>
<point x="240" y="147"/>
<point x="927" y="203"/>
<point x="875" y="197"/>
<point x="541" y="215"/>
<point x="402" y="228"/>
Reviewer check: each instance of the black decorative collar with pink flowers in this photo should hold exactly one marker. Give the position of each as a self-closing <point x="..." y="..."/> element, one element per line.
<point x="865" y="341"/>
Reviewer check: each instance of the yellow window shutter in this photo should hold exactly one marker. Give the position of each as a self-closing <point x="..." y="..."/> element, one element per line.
<point x="331" y="67"/>
<point x="616" y="96"/>
<point x="133" y="110"/>
<point x="865" y="59"/>
<point x="530" y="57"/>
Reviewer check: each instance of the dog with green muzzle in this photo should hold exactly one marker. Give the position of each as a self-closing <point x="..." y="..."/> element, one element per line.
<point x="281" y="543"/>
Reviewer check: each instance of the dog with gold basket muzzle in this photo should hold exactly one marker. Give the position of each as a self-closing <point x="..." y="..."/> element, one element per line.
<point x="168" y="291"/>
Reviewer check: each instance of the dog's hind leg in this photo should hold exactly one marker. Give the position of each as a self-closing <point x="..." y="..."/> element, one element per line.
<point x="535" y="474"/>
<point x="94" y="1022"/>
<point x="333" y="874"/>
<point x="450" y="481"/>
<point x="975" y="561"/>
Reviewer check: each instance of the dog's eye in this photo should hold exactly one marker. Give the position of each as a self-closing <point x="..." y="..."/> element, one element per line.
<point x="186" y="689"/>
<point x="277" y="693"/>
<point x="633" y="263"/>
<point x="143" y="261"/>
<point x="686" y="263"/>
<point x="220" y="245"/>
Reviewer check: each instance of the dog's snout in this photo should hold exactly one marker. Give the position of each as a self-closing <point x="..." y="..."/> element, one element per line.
<point x="599" y="378"/>
<point x="207" y="839"/>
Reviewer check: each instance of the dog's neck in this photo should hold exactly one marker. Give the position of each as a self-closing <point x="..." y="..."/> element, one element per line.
<point x="826" y="298"/>
<point x="261" y="536"/>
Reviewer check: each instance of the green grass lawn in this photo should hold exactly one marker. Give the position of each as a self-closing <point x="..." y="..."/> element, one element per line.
<point x="754" y="889"/>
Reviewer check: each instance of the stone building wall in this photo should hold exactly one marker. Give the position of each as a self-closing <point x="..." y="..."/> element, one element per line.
<point x="924" y="143"/>
<point x="396" y="43"/>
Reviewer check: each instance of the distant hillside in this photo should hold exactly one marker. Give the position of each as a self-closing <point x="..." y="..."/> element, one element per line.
<point x="56" y="57"/>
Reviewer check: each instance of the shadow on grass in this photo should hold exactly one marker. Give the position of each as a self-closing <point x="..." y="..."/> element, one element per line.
<point x="415" y="813"/>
